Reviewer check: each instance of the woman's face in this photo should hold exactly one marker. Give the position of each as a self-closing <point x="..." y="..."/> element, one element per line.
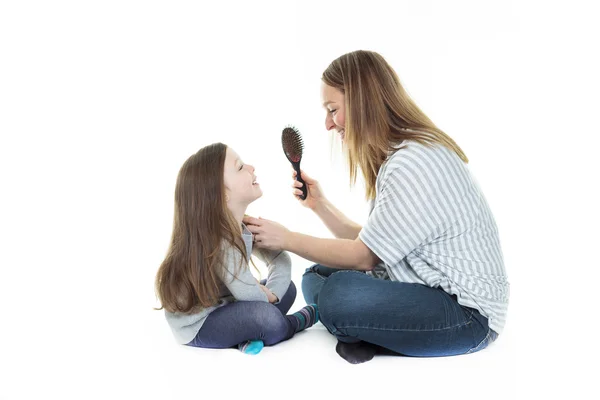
<point x="240" y="182"/>
<point x="333" y="101"/>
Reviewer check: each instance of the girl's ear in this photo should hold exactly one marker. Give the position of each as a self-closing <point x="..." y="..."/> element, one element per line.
<point x="226" y="198"/>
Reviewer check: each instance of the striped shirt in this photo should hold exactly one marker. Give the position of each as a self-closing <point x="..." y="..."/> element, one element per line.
<point x="430" y="224"/>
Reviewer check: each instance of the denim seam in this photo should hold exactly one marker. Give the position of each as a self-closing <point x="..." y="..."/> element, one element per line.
<point x="478" y="347"/>
<point x="323" y="278"/>
<point x="408" y="330"/>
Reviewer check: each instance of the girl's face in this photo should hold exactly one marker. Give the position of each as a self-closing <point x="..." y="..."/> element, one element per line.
<point x="240" y="182"/>
<point x="333" y="101"/>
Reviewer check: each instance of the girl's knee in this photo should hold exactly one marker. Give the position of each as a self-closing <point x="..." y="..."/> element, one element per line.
<point x="265" y="316"/>
<point x="263" y="310"/>
<point x="292" y="291"/>
<point x="264" y="322"/>
<point x="272" y="325"/>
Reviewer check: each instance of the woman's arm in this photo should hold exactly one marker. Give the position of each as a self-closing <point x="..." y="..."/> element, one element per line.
<point x="335" y="253"/>
<point x="334" y="219"/>
<point x="340" y="225"/>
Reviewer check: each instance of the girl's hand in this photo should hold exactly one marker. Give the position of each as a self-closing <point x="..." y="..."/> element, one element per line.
<point x="267" y="234"/>
<point x="314" y="194"/>
<point x="270" y="296"/>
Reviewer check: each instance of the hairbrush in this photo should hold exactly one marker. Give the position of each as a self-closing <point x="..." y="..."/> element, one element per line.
<point x="292" y="144"/>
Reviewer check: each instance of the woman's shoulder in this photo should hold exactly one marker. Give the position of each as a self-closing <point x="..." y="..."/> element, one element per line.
<point x="422" y="164"/>
<point x="414" y="155"/>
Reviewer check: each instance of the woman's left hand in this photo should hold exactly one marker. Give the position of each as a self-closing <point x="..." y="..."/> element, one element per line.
<point x="267" y="234"/>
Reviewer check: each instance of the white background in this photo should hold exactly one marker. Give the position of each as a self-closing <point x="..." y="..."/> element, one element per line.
<point x="101" y="102"/>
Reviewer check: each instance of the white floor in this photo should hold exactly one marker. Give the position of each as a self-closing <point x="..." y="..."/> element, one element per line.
<point x="308" y="364"/>
<point x="125" y="350"/>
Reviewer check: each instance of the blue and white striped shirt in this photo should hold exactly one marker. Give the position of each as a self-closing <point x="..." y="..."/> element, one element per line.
<point x="430" y="224"/>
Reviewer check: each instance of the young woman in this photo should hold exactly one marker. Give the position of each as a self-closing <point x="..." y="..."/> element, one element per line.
<point x="436" y="283"/>
<point x="210" y="297"/>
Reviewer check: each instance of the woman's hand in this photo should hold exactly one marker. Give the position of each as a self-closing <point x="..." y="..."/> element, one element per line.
<point x="314" y="194"/>
<point x="267" y="234"/>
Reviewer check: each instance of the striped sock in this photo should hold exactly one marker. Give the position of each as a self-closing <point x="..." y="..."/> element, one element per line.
<point x="251" y="346"/>
<point x="306" y="317"/>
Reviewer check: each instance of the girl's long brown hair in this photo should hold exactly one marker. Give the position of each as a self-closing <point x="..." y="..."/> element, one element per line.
<point x="192" y="271"/>
<point x="379" y="114"/>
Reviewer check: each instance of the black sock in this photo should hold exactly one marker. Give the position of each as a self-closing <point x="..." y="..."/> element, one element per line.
<point x="356" y="353"/>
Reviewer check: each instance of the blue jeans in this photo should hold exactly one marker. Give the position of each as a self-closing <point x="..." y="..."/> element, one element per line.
<point x="406" y="318"/>
<point x="237" y="322"/>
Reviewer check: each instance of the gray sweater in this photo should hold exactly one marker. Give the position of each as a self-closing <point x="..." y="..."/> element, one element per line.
<point x="244" y="287"/>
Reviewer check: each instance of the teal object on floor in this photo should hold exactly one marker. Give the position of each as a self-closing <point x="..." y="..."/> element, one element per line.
<point x="252" y="347"/>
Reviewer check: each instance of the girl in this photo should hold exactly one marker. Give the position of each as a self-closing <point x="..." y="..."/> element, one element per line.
<point x="210" y="297"/>
<point x="436" y="284"/>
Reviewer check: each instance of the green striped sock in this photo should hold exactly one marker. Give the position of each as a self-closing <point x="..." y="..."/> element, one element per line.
<point x="306" y="317"/>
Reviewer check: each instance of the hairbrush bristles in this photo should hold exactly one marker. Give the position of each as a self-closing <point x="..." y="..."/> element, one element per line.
<point x="291" y="140"/>
<point x="292" y="144"/>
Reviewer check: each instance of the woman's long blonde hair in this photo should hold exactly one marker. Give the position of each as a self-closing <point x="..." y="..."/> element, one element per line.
<point x="379" y="114"/>
<point x="192" y="271"/>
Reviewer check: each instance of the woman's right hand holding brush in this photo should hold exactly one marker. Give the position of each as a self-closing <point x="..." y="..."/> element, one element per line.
<point x="314" y="194"/>
<point x="340" y="225"/>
